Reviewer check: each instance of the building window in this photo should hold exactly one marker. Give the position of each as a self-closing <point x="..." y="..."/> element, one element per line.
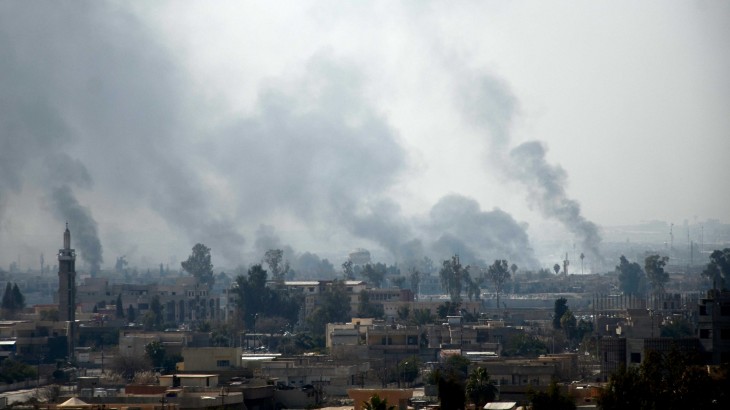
<point x="223" y="363"/>
<point x="635" y="357"/>
<point x="725" y="334"/>
<point x="705" y="333"/>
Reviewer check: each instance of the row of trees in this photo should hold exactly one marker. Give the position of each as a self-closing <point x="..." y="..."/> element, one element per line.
<point x="256" y="300"/>
<point x="633" y="280"/>
<point x="673" y="380"/>
<point x="456" y="388"/>
<point x="564" y="319"/>
<point x="457" y="279"/>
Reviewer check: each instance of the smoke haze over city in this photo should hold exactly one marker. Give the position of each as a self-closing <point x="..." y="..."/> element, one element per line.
<point x="489" y="130"/>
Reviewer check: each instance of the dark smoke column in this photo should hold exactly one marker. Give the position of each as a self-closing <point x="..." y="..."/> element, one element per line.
<point x="67" y="288"/>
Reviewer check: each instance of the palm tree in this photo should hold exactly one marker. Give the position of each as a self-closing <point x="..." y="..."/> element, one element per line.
<point x="479" y="388"/>
<point x="376" y="403"/>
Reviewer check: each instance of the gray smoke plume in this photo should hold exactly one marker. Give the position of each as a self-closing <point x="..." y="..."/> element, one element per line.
<point x="489" y="104"/>
<point x="82" y="225"/>
<point x="340" y="156"/>
<point x="96" y="70"/>
<point x="478" y="237"/>
<point x="95" y="87"/>
<point x="545" y="187"/>
<point x="62" y="173"/>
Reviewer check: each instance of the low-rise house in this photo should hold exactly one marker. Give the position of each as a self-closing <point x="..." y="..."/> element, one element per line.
<point x="210" y="359"/>
<point x="332" y="378"/>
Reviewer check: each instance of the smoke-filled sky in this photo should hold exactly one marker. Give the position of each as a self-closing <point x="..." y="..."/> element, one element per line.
<point x="488" y="129"/>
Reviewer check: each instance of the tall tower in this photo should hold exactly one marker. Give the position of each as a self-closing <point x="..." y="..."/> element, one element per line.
<point x="67" y="287"/>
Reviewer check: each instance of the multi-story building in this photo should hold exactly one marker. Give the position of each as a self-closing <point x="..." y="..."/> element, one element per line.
<point x="182" y="299"/>
<point x="713" y="326"/>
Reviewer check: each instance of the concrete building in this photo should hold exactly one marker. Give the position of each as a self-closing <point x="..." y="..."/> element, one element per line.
<point x="30" y="340"/>
<point x="332" y="378"/>
<point x="713" y="326"/>
<point x="182" y="298"/>
<point x="533" y="372"/>
<point x="211" y="359"/>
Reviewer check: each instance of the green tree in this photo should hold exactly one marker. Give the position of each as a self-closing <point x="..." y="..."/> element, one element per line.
<point x="422" y="316"/>
<point x="569" y="325"/>
<point x="404" y="312"/>
<point x="153" y="317"/>
<point x="583" y="329"/>
<point x="369" y="309"/>
<point x="376" y="403"/>
<point x="374" y="273"/>
<point x="655" y="274"/>
<point x="473" y="287"/>
<point x="457" y="364"/>
<point x="273" y="258"/>
<point x="155" y="352"/>
<point x="630" y="277"/>
<point x="672" y="380"/>
<point x="334" y="307"/>
<point x="447" y="309"/>
<point x="452" y="275"/>
<point x="409" y="368"/>
<point x="12" y="371"/>
<point x="498" y="274"/>
<point x="479" y="388"/>
<point x="398" y="281"/>
<point x="347" y="270"/>
<point x="131" y="314"/>
<point x="199" y="264"/>
<point x="524" y="345"/>
<point x="415" y="280"/>
<point x="18" y="298"/>
<point x="451" y="391"/>
<point x="255" y="299"/>
<point x="8" y="300"/>
<point x="552" y="399"/>
<point x="561" y="306"/>
<point x="119" y="307"/>
<point x="718" y="269"/>
<point x="677" y="329"/>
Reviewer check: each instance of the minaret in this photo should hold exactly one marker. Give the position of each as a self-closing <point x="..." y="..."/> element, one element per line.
<point x="67" y="287"/>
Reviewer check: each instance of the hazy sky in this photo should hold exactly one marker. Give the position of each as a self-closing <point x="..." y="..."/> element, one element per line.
<point x="409" y="128"/>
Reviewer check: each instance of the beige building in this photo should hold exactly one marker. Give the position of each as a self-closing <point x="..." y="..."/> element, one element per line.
<point x="182" y="298"/>
<point x="210" y="359"/>
<point x="534" y="372"/>
<point x="333" y="378"/>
